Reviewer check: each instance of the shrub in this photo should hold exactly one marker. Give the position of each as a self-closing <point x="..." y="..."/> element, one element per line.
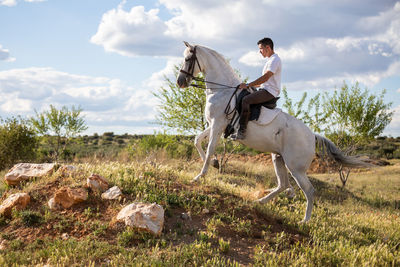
<point x="30" y="218"/>
<point x="174" y="146"/>
<point x="17" y="142"/>
<point x="224" y="246"/>
<point x="132" y="236"/>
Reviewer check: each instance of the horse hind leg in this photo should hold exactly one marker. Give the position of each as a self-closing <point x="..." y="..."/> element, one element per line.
<point x="307" y="188"/>
<point x="282" y="177"/>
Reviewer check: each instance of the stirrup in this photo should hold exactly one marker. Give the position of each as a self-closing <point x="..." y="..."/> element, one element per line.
<point x="240" y="135"/>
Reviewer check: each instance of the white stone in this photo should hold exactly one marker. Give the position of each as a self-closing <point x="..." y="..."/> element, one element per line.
<point x="15" y="201"/>
<point x="53" y="205"/>
<point x="147" y="217"/>
<point x="66" y="197"/>
<point x="65" y="236"/>
<point x="25" y="171"/>
<point x="112" y="193"/>
<point x="97" y="183"/>
<point x="205" y="211"/>
<point x="67" y="170"/>
<point x="3" y="244"/>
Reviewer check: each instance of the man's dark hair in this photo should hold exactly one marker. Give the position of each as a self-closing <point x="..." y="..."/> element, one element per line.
<point x="266" y="41"/>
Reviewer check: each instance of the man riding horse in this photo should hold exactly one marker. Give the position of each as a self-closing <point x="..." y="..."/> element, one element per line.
<point x="269" y="83"/>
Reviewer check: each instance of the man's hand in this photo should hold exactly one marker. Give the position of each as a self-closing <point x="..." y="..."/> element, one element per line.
<point x="243" y="86"/>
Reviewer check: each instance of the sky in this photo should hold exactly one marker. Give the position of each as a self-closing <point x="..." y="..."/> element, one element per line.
<point x="108" y="56"/>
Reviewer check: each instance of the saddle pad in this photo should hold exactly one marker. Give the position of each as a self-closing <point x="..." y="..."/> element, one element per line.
<point x="267" y="115"/>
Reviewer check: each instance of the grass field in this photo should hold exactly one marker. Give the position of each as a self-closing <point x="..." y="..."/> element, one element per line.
<point x="355" y="226"/>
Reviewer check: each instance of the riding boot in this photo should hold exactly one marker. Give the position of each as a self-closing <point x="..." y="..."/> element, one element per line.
<point x="241" y="133"/>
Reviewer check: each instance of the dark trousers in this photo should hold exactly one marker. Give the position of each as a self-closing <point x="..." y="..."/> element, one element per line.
<point x="257" y="97"/>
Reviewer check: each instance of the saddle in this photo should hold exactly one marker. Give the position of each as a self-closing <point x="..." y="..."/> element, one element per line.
<point x="255" y="111"/>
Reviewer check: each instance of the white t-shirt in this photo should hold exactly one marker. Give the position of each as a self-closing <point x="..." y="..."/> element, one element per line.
<point x="273" y="85"/>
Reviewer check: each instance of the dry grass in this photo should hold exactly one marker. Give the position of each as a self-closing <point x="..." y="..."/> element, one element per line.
<point x="354" y="226"/>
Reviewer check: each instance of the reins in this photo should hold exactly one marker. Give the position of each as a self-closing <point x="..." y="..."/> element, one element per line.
<point x="193" y="60"/>
<point x="201" y="80"/>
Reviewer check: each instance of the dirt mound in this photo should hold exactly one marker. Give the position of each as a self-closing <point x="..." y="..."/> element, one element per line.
<point x="94" y="219"/>
<point x="317" y="165"/>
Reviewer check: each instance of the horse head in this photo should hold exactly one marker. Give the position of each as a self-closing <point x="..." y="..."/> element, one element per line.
<point x="191" y="67"/>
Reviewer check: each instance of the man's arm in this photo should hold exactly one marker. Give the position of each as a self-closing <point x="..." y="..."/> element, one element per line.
<point x="257" y="82"/>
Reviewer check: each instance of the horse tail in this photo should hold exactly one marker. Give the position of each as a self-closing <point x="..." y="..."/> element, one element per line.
<point x="327" y="147"/>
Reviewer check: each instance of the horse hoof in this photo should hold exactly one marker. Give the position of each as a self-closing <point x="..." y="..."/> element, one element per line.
<point x="196" y="179"/>
<point x="261" y="200"/>
<point x="290" y="193"/>
<point x="304" y="221"/>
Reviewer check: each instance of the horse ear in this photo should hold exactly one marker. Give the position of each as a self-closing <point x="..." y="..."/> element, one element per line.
<point x="187" y="44"/>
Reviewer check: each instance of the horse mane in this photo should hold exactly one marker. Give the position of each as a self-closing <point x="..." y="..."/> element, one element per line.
<point x="222" y="59"/>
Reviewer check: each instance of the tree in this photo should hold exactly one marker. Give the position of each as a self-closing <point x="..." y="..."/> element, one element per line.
<point x="313" y="116"/>
<point x="357" y="116"/>
<point x="61" y="124"/>
<point x="17" y="142"/>
<point x="181" y="109"/>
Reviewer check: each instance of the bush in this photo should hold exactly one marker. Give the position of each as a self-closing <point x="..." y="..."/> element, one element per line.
<point x="30" y="218"/>
<point x="17" y="142"/>
<point x="174" y="146"/>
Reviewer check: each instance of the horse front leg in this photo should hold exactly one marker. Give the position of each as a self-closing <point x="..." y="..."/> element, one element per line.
<point x="198" y="140"/>
<point x="215" y="135"/>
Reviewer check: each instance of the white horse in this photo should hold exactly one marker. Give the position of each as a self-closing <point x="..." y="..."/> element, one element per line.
<point x="290" y="141"/>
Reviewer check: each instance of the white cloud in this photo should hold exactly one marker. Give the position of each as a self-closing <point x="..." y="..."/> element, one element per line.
<point x="14" y="2"/>
<point x="5" y="55"/>
<point x="208" y="20"/>
<point x="368" y="79"/>
<point x="337" y="44"/>
<point x="252" y="58"/>
<point x="396" y="117"/>
<point x="12" y="103"/>
<point x="157" y="79"/>
<point x="8" y="2"/>
<point x="393" y="128"/>
<point x="104" y="100"/>
<point x="291" y="54"/>
<point x="132" y="33"/>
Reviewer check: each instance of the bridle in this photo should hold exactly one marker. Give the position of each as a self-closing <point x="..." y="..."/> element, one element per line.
<point x="192" y="63"/>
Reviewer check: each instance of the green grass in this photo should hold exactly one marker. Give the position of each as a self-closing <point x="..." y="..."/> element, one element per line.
<point x="354" y="226"/>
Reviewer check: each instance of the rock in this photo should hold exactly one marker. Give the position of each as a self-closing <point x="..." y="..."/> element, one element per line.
<point x="53" y="205"/>
<point x="97" y="183"/>
<point x="112" y="193"/>
<point x="25" y="171"/>
<point x="65" y="236"/>
<point x="147" y="217"/>
<point x="67" y="170"/>
<point x="205" y="211"/>
<point x="186" y="216"/>
<point x="66" y="197"/>
<point x="18" y="201"/>
<point x="3" y="244"/>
